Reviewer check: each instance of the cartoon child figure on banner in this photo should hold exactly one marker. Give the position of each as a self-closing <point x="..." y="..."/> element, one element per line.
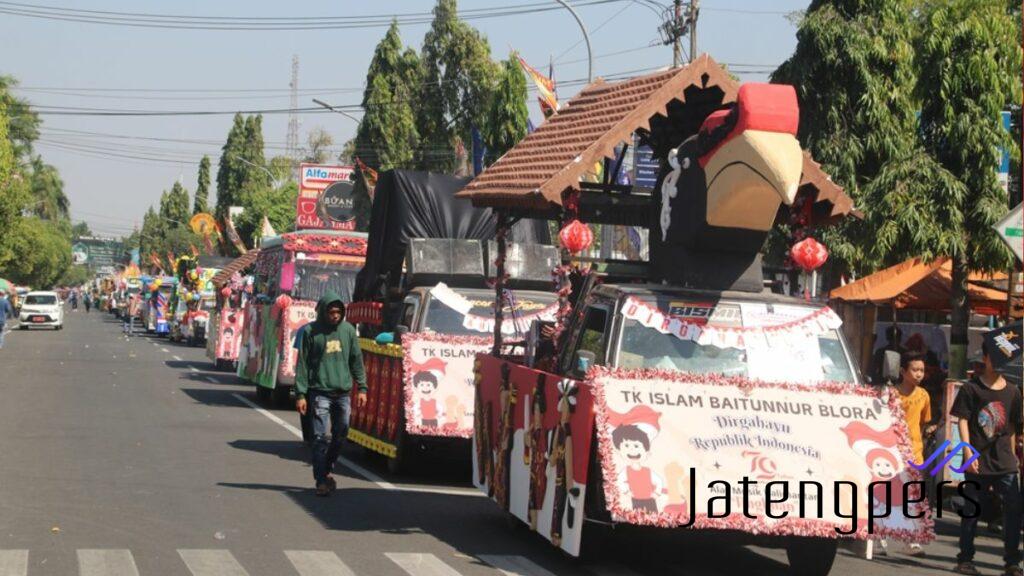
<point x="425" y="380"/>
<point x="632" y="435"/>
<point x="880" y="450"/>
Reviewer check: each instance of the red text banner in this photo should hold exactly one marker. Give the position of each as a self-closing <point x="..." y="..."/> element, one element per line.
<point x="692" y="450"/>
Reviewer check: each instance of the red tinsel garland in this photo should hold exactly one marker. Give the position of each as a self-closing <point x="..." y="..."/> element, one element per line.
<point x="326" y="244"/>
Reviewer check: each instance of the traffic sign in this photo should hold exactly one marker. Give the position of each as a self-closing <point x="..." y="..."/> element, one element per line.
<point x="1011" y="230"/>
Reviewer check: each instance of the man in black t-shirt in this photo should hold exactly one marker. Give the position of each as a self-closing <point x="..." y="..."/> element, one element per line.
<point x="990" y="418"/>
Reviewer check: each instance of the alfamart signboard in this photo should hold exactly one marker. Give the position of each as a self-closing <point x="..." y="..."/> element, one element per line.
<point x="325" y="198"/>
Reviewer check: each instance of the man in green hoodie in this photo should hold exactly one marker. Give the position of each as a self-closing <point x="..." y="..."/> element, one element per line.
<point x="329" y="363"/>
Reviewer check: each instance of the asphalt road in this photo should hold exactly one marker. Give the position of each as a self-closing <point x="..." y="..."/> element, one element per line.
<point x="133" y="456"/>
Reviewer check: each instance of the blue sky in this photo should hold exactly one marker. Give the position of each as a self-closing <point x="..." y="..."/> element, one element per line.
<point x="112" y="193"/>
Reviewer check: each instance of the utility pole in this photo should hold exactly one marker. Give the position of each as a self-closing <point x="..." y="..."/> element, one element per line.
<point x="292" y="142"/>
<point x="692" y="21"/>
<point x="677" y="49"/>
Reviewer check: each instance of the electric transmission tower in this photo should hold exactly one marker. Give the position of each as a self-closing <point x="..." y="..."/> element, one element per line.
<point x="292" y="143"/>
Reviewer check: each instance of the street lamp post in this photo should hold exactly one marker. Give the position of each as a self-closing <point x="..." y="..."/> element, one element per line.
<point x="275" y="181"/>
<point x="335" y="109"/>
<point x="586" y="38"/>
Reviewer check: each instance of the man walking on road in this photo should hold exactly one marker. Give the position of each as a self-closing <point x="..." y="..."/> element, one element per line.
<point x="990" y="418"/>
<point x="6" y="310"/>
<point x="329" y="363"/>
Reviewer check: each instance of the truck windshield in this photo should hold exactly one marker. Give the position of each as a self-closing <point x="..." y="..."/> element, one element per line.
<point x="444" y="319"/>
<point x="820" y="358"/>
<point x="313" y="279"/>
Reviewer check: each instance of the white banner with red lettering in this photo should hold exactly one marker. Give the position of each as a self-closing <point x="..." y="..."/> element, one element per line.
<point x="518" y="322"/>
<point x="438" y="380"/>
<point x="681" y="449"/>
<point x="791" y="333"/>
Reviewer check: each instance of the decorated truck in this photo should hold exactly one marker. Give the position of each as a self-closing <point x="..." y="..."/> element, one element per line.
<point x="155" y="311"/>
<point x="232" y="286"/>
<point x="292" y="271"/>
<point x="424" y="291"/>
<point x="194" y="297"/>
<point x="679" y="393"/>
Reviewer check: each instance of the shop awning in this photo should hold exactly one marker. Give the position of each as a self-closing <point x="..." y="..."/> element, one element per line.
<point x="919" y="285"/>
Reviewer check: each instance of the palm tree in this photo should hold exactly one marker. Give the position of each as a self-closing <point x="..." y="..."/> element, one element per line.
<point x="49" y="200"/>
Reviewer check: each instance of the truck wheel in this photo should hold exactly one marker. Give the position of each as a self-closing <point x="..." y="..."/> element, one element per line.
<point x="282" y="395"/>
<point x="263" y="394"/>
<point x="811" y="556"/>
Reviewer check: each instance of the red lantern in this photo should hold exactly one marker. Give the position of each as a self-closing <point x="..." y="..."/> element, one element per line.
<point x="225" y="292"/>
<point x="283" y="302"/>
<point x="809" y="254"/>
<point x="576" y="236"/>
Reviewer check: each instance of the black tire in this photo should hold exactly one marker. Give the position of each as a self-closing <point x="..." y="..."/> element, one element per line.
<point x="282" y="395"/>
<point x="400" y="463"/>
<point x="23" y="327"/>
<point x="263" y="394"/>
<point x="811" y="556"/>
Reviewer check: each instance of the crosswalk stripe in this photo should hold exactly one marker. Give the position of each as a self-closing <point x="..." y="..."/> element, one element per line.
<point x="318" y="563"/>
<point x="515" y="565"/>
<point x="13" y="562"/>
<point x="421" y="564"/>
<point x="212" y="563"/>
<point x="106" y="563"/>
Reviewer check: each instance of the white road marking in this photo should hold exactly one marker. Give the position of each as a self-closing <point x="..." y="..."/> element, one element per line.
<point x="422" y="564"/>
<point x="515" y="565"/>
<point x="212" y="380"/>
<point x="380" y="482"/>
<point x="212" y="563"/>
<point x="178" y="358"/>
<point x="317" y="563"/>
<point x="106" y="563"/>
<point x="193" y="369"/>
<point x="13" y="562"/>
<point x="165" y="350"/>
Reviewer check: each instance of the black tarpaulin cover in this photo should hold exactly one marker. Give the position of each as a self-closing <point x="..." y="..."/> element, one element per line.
<point x="409" y="204"/>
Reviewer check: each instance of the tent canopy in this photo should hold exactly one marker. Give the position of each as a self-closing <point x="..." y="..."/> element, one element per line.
<point x="919" y="285"/>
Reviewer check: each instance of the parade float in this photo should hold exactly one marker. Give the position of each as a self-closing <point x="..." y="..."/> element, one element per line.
<point x="194" y="298"/>
<point x="291" y="272"/>
<point x="232" y="286"/>
<point x="669" y="383"/>
<point x="424" y="293"/>
<point x="156" y="295"/>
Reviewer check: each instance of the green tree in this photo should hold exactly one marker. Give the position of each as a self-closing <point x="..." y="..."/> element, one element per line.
<point x="13" y="192"/>
<point x="81" y="230"/>
<point x="854" y="74"/>
<point x="969" y="57"/>
<point x="23" y="122"/>
<point x="387" y="136"/>
<point x="254" y="178"/>
<point x="318" y="146"/>
<point x="283" y="168"/>
<point x="277" y="204"/>
<point x="151" y="234"/>
<point x="507" y="115"/>
<point x="44" y="253"/>
<point x="230" y="168"/>
<point x="202" y="199"/>
<point x="48" y="199"/>
<point x="174" y="206"/>
<point x="458" y="79"/>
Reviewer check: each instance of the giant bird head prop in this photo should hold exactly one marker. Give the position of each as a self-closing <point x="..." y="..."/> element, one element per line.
<point x="722" y="187"/>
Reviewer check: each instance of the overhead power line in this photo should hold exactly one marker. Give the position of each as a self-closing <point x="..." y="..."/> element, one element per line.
<point x="248" y="23"/>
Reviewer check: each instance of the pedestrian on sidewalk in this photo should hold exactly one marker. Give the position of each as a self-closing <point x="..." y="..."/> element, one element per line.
<point x="87" y="300"/>
<point x="330" y="364"/>
<point x="990" y="420"/>
<point x="74" y="299"/>
<point x="917" y="412"/>
<point x="6" y="311"/>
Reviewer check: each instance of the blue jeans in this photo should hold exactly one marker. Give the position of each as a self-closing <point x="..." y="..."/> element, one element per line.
<point x="330" y="414"/>
<point x="1007" y="487"/>
<point x="2" y="325"/>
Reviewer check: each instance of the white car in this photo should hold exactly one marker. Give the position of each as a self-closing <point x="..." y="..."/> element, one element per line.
<point x="41" y="309"/>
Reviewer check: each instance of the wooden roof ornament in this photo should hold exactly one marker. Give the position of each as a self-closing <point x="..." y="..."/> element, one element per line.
<point x="664" y="108"/>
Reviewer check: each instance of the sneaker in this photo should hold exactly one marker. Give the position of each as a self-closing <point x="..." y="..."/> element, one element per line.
<point x="332" y="483"/>
<point x="914" y="550"/>
<point x="1013" y="571"/>
<point x="966" y="568"/>
<point x="323" y="490"/>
